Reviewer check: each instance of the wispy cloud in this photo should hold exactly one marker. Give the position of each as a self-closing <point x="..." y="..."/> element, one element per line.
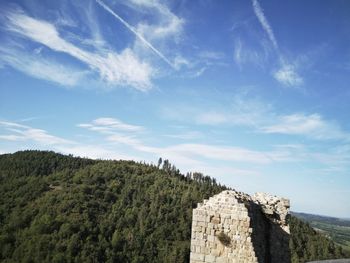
<point x="95" y="152"/>
<point x="11" y="137"/>
<point x="21" y="132"/>
<point x="234" y="154"/>
<point x="245" y="55"/>
<point x="259" y="12"/>
<point x="116" y="131"/>
<point x="136" y="33"/>
<point x="287" y="75"/>
<point x="189" y="135"/>
<point x="260" y="117"/>
<point x="123" y="69"/>
<point x="41" y="68"/>
<point x="110" y="125"/>
<point x="243" y="111"/>
<point x="312" y="125"/>
<point x="180" y="152"/>
<point x="169" y="25"/>
<point x="30" y="137"/>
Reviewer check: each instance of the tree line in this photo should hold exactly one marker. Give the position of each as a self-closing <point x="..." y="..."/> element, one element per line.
<point x="58" y="208"/>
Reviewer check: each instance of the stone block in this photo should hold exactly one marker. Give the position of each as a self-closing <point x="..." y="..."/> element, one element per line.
<point x="210" y="258"/>
<point x="222" y="260"/>
<point x="197" y="256"/>
<point x="211" y="238"/>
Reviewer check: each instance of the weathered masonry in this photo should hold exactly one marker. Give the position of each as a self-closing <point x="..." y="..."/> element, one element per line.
<point x="235" y="227"/>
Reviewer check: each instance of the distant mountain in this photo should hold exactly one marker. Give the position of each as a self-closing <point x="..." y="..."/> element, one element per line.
<point x="335" y="228"/>
<point x="58" y="208"/>
<point x="324" y="219"/>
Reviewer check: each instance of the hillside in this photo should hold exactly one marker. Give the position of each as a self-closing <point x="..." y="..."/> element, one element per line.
<point x="57" y="208"/>
<point x="335" y="228"/>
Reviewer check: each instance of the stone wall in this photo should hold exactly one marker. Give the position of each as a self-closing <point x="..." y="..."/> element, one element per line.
<point x="235" y="227"/>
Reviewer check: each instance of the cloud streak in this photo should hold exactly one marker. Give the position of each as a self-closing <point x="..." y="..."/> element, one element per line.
<point x="260" y="117"/>
<point x="110" y="125"/>
<point x="287" y="74"/>
<point x="137" y="34"/>
<point x="259" y="12"/>
<point x="313" y="126"/>
<point x="123" y="69"/>
<point x="189" y="151"/>
<point x="23" y="132"/>
<point x="41" y="68"/>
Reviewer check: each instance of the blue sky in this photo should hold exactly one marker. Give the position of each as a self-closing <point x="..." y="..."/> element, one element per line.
<point x="254" y="93"/>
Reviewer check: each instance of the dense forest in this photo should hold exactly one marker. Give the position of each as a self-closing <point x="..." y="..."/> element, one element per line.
<point x="57" y="208"/>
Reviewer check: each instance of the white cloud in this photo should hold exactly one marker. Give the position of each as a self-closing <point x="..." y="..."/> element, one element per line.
<point x="244" y="55"/>
<point x="41" y="68"/>
<point x="11" y="137"/>
<point x="169" y="25"/>
<point x="128" y="140"/>
<point x="259" y="12"/>
<point x="190" y="135"/>
<point x="288" y="76"/>
<point x="95" y="152"/>
<point x="238" y="52"/>
<point x="215" y="152"/>
<point x="173" y="27"/>
<point x="22" y="132"/>
<point x="113" y="133"/>
<point x="261" y="117"/>
<point x="139" y="34"/>
<point x="242" y="111"/>
<point x="9" y="124"/>
<point x="313" y="126"/>
<point x="296" y="124"/>
<point x="111" y="124"/>
<point x="30" y="137"/>
<point x="123" y="68"/>
<point x="180" y="61"/>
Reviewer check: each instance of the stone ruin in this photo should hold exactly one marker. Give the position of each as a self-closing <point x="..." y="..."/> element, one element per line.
<point x="235" y="227"/>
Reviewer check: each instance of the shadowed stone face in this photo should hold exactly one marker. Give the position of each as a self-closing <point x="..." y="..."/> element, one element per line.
<point x="234" y="227"/>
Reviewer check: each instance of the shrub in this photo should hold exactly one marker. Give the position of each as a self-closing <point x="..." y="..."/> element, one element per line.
<point x="224" y="239"/>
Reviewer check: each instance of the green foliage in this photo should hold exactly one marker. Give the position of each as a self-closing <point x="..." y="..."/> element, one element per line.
<point x="307" y="245"/>
<point x="335" y="228"/>
<point x="56" y="208"/>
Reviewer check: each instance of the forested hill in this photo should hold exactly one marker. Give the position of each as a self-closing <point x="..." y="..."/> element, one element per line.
<point x="56" y="208"/>
<point x="335" y="228"/>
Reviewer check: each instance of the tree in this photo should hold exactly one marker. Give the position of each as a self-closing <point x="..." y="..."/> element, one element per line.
<point x="160" y="160"/>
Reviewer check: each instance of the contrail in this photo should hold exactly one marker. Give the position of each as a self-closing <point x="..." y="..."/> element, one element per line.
<point x="259" y="13"/>
<point x="264" y="23"/>
<point x="132" y="29"/>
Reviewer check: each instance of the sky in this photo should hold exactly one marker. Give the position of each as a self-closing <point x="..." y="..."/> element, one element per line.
<point x="254" y="93"/>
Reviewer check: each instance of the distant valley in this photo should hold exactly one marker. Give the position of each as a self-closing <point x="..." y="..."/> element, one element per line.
<point x="335" y="228"/>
